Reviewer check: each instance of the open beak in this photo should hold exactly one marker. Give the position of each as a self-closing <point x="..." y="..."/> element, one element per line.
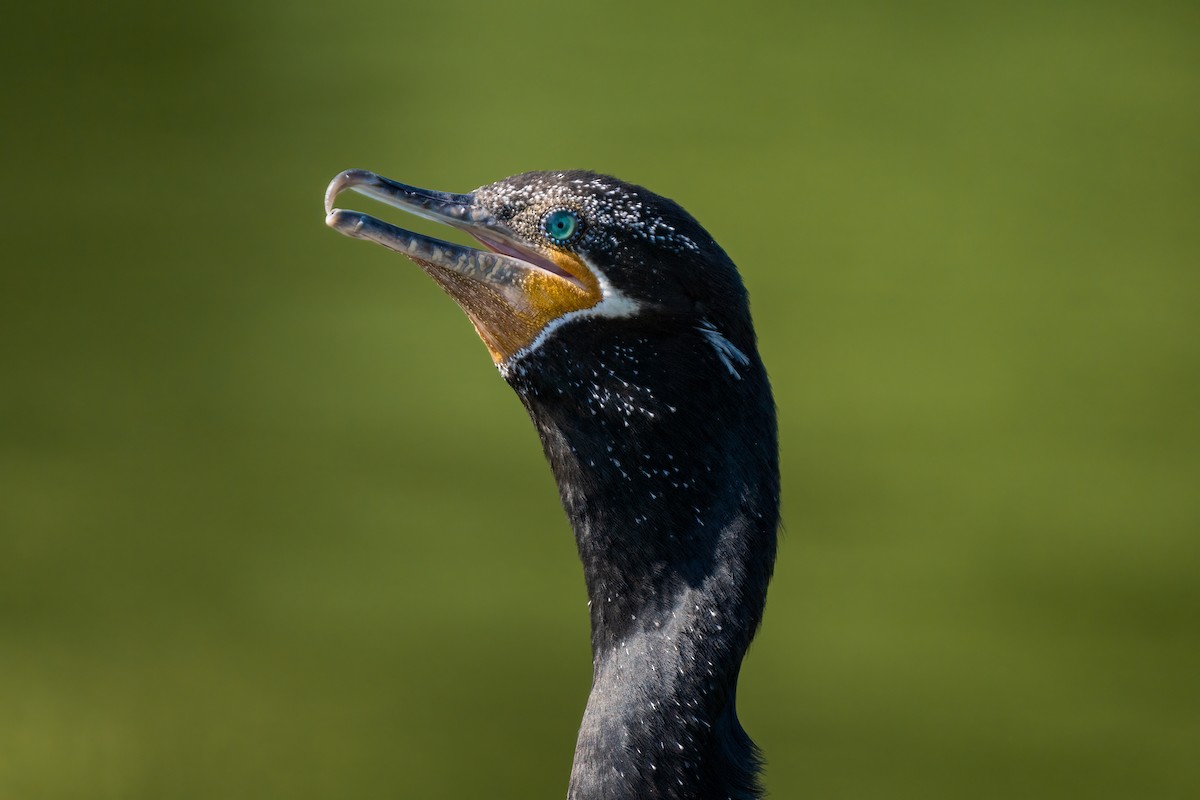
<point x="511" y="291"/>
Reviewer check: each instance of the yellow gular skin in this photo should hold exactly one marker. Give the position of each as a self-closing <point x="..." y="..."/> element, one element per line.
<point x="509" y="316"/>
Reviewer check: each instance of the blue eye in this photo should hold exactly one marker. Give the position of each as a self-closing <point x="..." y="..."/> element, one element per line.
<point x="561" y="225"/>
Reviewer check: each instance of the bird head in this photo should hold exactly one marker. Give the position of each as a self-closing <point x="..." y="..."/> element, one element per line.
<point x="625" y="330"/>
<point x="559" y="246"/>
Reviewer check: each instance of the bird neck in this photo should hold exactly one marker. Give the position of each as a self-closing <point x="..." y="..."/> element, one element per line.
<point x="671" y="485"/>
<point x="661" y="718"/>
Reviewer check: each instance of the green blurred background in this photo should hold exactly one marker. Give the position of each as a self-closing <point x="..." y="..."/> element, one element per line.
<point x="272" y="527"/>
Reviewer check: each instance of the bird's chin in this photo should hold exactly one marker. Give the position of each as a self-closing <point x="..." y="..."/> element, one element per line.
<point x="511" y="290"/>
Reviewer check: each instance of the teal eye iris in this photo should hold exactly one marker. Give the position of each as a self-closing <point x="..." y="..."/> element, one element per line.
<point x="561" y="225"/>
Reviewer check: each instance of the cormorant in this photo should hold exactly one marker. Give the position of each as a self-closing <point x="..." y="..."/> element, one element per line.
<point x="625" y="329"/>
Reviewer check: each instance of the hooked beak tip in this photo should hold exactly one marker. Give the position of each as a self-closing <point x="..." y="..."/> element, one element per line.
<point x="343" y="181"/>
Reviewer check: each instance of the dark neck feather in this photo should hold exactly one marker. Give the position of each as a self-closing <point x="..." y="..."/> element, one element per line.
<point x="668" y="470"/>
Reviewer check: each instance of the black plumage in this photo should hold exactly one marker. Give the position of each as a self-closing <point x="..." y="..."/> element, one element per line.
<point x="656" y="416"/>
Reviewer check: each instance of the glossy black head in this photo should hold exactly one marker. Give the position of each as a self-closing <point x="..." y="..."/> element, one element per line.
<point x="644" y="248"/>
